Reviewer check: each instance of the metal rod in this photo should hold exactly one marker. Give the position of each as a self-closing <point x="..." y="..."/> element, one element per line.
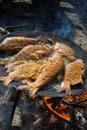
<point x="18" y="26"/>
<point x="74" y="103"/>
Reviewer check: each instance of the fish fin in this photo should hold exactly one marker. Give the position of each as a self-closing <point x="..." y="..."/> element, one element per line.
<point x="3" y="61"/>
<point x="65" y="86"/>
<point x="26" y="81"/>
<point x="32" y="90"/>
<point x="53" y="40"/>
<point x="6" y="80"/>
<point x="38" y="38"/>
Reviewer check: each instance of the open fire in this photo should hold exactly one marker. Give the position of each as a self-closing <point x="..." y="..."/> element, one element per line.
<point x="47" y="113"/>
<point x="65" y="110"/>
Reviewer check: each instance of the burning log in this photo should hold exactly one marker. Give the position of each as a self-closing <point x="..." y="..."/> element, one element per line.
<point x="73" y="114"/>
<point x="29" y="113"/>
<point x="80" y="118"/>
<point x="53" y="108"/>
<point x="34" y="114"/>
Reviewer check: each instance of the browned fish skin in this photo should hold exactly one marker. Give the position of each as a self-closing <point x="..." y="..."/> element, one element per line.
<point x="35" y="52"/>
<point x="12" y="66"/>
<point x="49" y="71"/>
<point x="64" y="51"/>
<point x="15" y="44"/>
<point x="32" y="52"/>
<point x="74" y="72"/>
<point x="54" y="58"/>
<point x="20" y="72"/>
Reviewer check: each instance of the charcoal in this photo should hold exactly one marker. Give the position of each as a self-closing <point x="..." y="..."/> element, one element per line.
<point x="10" y="94"/>
<point x="16" y="121"/>
<point x="8" y="99"/>
<point x="80" y="118"/>
<point x="30" y="113"/>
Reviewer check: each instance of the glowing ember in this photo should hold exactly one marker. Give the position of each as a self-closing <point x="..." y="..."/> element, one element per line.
<point x="82" y="96"/>
<point x="61" y="110"/>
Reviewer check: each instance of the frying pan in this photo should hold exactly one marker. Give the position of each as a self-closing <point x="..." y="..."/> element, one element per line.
<point x="51" y="90"/>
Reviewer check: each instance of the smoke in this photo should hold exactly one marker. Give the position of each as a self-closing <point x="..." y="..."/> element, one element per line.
<point x="64" y="27"/>
<point x="58" y="20"/>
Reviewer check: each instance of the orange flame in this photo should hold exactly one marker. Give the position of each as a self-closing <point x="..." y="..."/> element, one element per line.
<point x="57" y="111"/>
<point x="61" y="108"/>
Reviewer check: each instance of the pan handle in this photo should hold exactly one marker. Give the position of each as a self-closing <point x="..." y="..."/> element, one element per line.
<point x="3" y="31"/>
<point x="12" y="28"/>
<point x="74" y="103"/>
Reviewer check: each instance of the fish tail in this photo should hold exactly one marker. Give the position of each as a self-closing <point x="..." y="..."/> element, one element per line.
<point x="32" y="90"/>
<point x="65" y="86"/>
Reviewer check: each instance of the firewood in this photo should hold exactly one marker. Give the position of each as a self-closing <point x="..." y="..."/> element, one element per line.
<point x="6" y="110"/>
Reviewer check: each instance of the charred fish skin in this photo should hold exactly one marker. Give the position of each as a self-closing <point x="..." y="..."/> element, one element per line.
<point x="15" y="44"/>
<point x="74" y="73"/>
<point x="45" y="75"/>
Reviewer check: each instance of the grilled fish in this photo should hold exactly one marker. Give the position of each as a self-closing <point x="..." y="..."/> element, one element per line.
<point x="50" y="70"/>
<point x="65" y="51"/>
<point x="21" y="72"/>
<point x="15" y="44"/>
<point x="74" y="72"/>
<point x="35" y="52"/>
<point x="31" y="52"/>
